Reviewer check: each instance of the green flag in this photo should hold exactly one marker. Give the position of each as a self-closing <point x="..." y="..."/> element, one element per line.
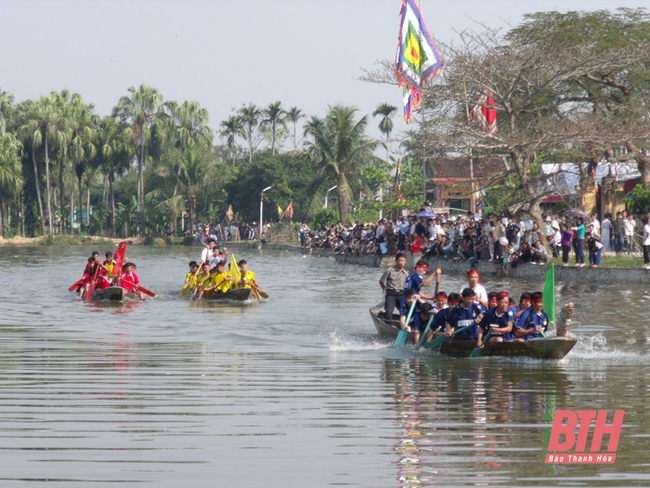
<point x="549" y="294"/>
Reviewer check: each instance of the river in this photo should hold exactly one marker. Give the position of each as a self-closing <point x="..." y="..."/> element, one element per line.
<point x="295" y="391"/>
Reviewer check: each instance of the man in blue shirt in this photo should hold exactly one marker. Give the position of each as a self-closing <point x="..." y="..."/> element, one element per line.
<point x="534" y="321"/>
<point x="467" y="313"/>
<point x="498" y="321"/>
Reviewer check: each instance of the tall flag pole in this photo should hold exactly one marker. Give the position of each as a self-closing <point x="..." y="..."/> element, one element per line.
<point x="398" y="180"/>
<point x="417" y="57"/>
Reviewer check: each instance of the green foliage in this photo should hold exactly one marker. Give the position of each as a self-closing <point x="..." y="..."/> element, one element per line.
<point x="638" y="200"/>
<point x="99" y="217"/>
<point x="325" y="217"/>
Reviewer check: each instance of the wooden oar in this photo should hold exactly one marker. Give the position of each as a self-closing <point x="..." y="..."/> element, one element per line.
<point x="91" y="287"/>
<point x="426" y="329"/>
<point x="260" y="292"/>
<point x="144" y="290"/>
<point x="185" y="290"/>
<point x="478" y="350"/>
<point x="439" y="341"/>
<point x="403" y="335"/>
<point x="76" y="285"/>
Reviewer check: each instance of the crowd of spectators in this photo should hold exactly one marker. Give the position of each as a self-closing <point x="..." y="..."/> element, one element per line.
<point x="506" y="240"/>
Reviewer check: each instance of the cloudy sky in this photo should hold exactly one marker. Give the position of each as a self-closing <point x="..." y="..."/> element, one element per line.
<point x="224" y="54"/>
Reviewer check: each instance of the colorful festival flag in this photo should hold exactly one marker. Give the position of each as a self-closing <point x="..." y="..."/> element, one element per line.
<point x="230" y="214"/>
<point x="485" y="112"/>
<point x="279" y="209"/>
<point x="288" y="212"/>
<point x="417" y="57"/>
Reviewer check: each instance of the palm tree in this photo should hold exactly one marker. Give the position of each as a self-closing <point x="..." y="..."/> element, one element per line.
<point x="45" y="123"/>
<point x="250" y="118"/>
<point x="141" y="110"/>
<point x="6" y="110"/>
<point x="114" y="154"/>
<point x="274" y="116"/>
<point x="190" y="126"/>
<point x="294" y="115"/>
<point x="83" y="124"/>
<point x="340" y="149"/>
<point x="386" y="123"/>
<point x="11" y="176"/>
<point x="231" y="128"/>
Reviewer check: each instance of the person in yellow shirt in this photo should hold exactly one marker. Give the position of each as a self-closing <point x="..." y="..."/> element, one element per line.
<point x="220" y="280"/>
<point x="109" y="264"/>
<point x="202" y="280"/>
<point x="247" y="276"/>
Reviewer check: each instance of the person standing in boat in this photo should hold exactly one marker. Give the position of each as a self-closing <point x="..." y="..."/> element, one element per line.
<point x="393" y="282"/>
<point x="207" y="253"/>
<point x="479" y="292"/>
<point x="534" y="322"/>
<point x="498" y="321"/>
<point x="130" y="280"/>
<point x="467" y="313"/>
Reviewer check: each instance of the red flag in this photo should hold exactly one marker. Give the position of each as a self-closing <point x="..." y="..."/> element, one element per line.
<point x="485" y="112"/>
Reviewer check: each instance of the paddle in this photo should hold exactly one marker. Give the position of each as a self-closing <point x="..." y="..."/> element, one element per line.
<point x="144" y="290"/>
<point x="403" y="335"/>
<point x="119" y="257"/>
<point x="76" y="285"/>
<point x="438" y="341"/>
<point x="91" y="287"/>
<point x="426" y="329"/>
<point x="477" y="350"/>
<point x="260" y="293"/>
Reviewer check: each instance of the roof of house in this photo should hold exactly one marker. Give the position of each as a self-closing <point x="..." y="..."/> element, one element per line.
<point x="457" y="169"/>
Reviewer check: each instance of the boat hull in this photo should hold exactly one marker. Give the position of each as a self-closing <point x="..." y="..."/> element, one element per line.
<point x="237" y="294"/>
<point x="112" y="294"/>
<point x="544" y="348"/>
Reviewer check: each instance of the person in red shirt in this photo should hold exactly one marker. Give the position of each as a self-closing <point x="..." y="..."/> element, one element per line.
<point x="130" y="280"/>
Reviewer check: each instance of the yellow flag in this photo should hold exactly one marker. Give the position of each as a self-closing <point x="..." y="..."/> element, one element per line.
<point x="234" y="270"/>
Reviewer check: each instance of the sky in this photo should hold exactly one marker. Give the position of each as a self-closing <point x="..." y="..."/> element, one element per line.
<point x="226" y="54"/>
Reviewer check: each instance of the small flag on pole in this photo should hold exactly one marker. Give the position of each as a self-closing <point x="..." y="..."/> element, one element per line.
<point x="279" y="209"/>
<point x="485" y="112"/>
<point x="230" y="214"/>
<point x="417" y="57"/>
<point x="288" y="212"/>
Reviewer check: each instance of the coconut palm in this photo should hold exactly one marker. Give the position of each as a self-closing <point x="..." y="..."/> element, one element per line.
<point x="294" y="114"/>
<point x="275" y="117"/>
<point x="340" y="149"/>
<point x="386" y="123"/>
<point x="6" y="110"/>
<point x="113" y="156"/>
<point x="141" y="109"/>
<point x="45" y="124"/>
<point x="11" y="176"/>
<point x="250" y="118"/>
<point x="231" y="128"/>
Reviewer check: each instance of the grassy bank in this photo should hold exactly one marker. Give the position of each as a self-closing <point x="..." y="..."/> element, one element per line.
<point x="609" y="261"/>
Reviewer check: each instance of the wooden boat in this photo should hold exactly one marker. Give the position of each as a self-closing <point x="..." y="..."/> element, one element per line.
<point x="112" y="293"/>
<point x="236" y="294"/>
<point x="545" y="348"/>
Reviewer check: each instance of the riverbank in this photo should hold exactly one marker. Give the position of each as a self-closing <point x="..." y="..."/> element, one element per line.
<point x="530" y="272"/>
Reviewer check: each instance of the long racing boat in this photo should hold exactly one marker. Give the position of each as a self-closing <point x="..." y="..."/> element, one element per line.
<point x="545" y="348"/>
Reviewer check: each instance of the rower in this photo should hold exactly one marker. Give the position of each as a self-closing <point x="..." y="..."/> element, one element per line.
<point x="534" y="321"/>
<point x="524" y="303"/>
<point x="441" y="302"/>
<point x="109" y="264"/>
<point x="492" y="300"/>
<point x="467" y="313"/>
<point x="498" y="321"/>
<point x="416" y="279"/>
<point x="247" y="276"/>
<point x="409" y="297"/>
<point x="222" y="281"/>
<point x="130" y="280"/>
<point x="440" y="318"/>
<point x="202" y="279"/>
<point x="421" y="318"/>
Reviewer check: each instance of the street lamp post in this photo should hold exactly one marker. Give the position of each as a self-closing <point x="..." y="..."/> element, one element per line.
<point x="261" y="210"/>
<point x="327" y="194"/>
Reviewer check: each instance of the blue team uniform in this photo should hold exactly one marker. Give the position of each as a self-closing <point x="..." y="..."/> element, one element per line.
<point x="460" y="317"/>
<point x="439" y="320"/>
<point x="404" y="311"/>
<point x="492" y="318"/>
<point x="530" y="319"/>
<point x="420" y="323"/>
<point x="414" y="281"/>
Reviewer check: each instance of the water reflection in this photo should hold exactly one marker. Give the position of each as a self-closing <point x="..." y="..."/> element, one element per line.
<point x="460" y="422"/>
